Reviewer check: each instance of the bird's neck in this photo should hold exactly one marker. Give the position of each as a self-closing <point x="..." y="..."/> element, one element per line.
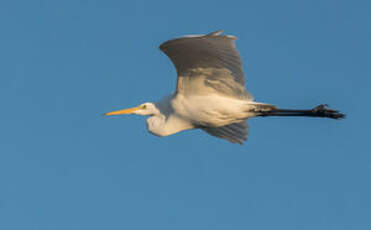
<point x="160" y="125"/>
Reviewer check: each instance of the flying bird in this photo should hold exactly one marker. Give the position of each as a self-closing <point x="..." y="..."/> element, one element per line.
<point x="210" y="92"/>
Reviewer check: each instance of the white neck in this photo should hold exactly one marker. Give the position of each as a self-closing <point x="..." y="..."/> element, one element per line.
<point x="164" y="122"/>
<point x="159" y="125"/>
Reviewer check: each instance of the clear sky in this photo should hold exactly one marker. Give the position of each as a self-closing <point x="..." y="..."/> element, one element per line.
<point x="65" y="166"/>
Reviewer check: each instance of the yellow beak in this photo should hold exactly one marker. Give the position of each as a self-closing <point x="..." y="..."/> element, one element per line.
<point x="124" y="111"/>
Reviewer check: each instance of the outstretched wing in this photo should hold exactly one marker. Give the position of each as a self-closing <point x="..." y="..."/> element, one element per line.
<point x="207" y="63"/>
<point x="235" y="133"/>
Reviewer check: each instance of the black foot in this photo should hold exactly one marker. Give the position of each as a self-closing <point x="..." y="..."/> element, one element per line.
<point x="323" y="111"/>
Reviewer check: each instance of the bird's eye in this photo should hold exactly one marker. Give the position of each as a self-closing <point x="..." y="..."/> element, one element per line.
<point x="144" y="106"/>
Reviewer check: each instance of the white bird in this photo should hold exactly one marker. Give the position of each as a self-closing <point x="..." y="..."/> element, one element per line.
<point x="210" y="92"/>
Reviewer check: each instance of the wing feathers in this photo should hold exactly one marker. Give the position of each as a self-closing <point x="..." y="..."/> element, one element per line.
<point x="211" y="55"/>
<point x="235" y="133"/>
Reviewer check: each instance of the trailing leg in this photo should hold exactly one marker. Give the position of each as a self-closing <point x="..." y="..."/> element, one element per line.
<point x="318" y="111"/>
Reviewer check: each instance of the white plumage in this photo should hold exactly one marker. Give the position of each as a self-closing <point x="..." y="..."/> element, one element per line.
<point x="210" y="92"/>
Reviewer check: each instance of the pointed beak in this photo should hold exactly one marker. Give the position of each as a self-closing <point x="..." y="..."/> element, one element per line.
<point x="124" y="111"/>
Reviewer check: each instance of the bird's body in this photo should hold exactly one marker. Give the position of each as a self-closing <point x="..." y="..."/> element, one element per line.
<point x="199" y="111"/>
<point x="210" y="92"/>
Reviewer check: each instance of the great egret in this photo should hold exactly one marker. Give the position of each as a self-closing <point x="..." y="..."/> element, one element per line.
<point x="210" y="92"/>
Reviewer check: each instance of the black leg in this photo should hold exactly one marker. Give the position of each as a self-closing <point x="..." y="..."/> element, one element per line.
<point x="318" y="111"/>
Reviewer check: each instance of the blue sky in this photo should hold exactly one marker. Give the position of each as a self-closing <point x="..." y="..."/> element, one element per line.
<point x="65" y="166"/>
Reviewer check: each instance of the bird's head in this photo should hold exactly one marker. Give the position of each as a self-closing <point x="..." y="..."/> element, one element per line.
<point x="145" y="109"/>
